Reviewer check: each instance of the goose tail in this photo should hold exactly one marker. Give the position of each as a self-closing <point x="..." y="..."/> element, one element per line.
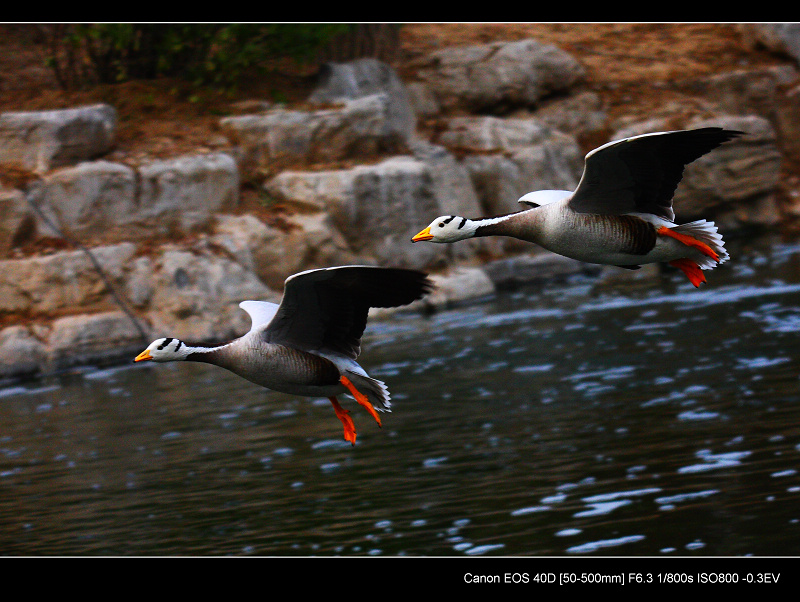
<point x="705" y="232"/>
<point x="376" y="391"/>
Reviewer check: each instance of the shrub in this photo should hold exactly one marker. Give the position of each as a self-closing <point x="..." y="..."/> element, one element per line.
<point x="213" y="54"/>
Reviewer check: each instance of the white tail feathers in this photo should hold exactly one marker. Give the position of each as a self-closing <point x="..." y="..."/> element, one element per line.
<point x="376" y="391"/>
<point x="705" y="232"/>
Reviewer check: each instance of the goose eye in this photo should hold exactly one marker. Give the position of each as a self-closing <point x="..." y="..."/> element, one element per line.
<point x="441" y="224"/>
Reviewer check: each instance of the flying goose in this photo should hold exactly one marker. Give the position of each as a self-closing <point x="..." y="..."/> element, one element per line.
<point x="620" y="213"/>
<point x="308" y="344"/>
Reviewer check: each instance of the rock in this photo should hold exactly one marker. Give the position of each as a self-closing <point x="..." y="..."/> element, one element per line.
<point x="361" y="127"/>
<point x="581" y="114"/>
<point x="787" y="121"/>
<point x="21" y="353"/>
<point x="422" y="100"/>
<point x="511" y="157"/>
<point x="87" y="338"/>
<point x="386" y="204"/>
<point x="776" y="37"/>
<point x="91" y="196"/>
<point x="183" y="193"/>
<point x="16" y="220"/>
<point x="273" y="255"/>
<point x="42" y="140"/>
<point x="65" y="281"/>
<point x="139" y="286"/>
<point x="500" y="76"/>
<point x="746" y="91"/>
<point x="378" y="208"/>
<point x="451" y="181"/>
<point x="339" y="82"/>
<point x="310" y="190"/>
<point x="196" y="296"/>
<point x="313" y="242"/>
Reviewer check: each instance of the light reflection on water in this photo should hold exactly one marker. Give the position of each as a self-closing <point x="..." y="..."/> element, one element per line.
<point x="577" y="419"/>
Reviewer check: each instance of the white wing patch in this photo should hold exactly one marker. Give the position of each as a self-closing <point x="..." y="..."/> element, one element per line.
<point x="261" y="312"/>
<point x="543" y="197"/>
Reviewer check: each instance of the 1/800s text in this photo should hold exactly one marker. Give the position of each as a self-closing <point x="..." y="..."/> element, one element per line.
<point x="622" y="578"/>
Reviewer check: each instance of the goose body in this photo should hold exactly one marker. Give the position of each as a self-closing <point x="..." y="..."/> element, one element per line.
<point x="621" y="212"/>
<point x="308" y="344"/>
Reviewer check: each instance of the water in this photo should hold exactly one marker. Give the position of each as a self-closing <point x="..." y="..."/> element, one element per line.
<point x="580" y="419"/>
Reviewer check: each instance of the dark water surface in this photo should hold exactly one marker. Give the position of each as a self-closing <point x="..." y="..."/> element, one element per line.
<point x="653" y="419"/>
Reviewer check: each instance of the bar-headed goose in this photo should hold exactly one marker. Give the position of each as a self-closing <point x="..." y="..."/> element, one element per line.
<point x="620" y="213"/>
<point x="308" y="344"/>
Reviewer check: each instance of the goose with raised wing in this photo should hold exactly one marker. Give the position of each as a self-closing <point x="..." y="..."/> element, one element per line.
<point x="308" y="344"/>
<point x="621" y="212"/>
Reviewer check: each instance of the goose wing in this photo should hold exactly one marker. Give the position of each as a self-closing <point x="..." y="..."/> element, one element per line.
<point x="261" y="313"/>
<point x="326" y="309"/>
<point x="640" y="174"/>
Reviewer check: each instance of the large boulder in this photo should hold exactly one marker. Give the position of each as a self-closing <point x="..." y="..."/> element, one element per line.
<point x="777" y="37"/>
<point x="338" y="82"/>
<point x="42" y="140"/>
<point x="500" y="76"/>
<point x="183" y="193"/>
<point x="87" y="338"/>
<point x="375" y="207"/>
<point x="507" y="158"/>
<point x="16" y="219"/>
<point x="307" y="241"/>
<point x="195" y="295"/>
<point x="21" y="352"/>
<point x="359" y="127"/>
<point x="90" y="197"/>
<point x="63" y="282"/>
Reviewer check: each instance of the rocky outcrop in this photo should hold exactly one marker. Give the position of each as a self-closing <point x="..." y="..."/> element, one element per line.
<point x="355" y="176"/>
<point x="498" y="77"/>
<point x="279" y="137"/>
<point x="42" y="140"/>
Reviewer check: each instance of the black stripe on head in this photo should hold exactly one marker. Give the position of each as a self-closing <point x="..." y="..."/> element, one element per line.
<point x="178" y="346"/>
<point x="449" y="219"/>
<point x="463" y="221"/>
<point x="164" y="344"/>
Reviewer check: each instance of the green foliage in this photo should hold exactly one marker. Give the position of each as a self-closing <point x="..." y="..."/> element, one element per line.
<point x="215" y="54"/>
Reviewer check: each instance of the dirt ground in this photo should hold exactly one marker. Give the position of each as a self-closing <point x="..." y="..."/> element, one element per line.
<point x="635" y="67"/>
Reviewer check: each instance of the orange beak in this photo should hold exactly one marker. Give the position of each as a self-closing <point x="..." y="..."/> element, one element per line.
<point x="424" y="235"/>
<point x="144" y="355"/>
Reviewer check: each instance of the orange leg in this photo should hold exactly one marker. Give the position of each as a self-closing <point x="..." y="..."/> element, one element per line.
<point x="689" y="241"/>
<point x="360" y="398"/>
<point x="691" y="269"/>
<point x="342" y="414"/>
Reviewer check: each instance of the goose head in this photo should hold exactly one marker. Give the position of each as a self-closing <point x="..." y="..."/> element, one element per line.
<point x="164" y="350"/>
<point x="447" y="228"/>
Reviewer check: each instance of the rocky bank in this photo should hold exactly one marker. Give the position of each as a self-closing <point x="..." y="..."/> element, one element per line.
<point x="168" y="247"/>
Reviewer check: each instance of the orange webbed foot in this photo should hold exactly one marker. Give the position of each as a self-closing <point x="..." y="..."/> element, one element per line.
<point x="349" y="426"/>
<point x="691" y="269"/>
<point x="360" y="398"/>
<point x="691" y="242"/>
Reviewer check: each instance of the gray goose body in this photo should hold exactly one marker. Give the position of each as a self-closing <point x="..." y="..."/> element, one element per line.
<point x="308" y="344"/>
<point x="621" y="212"/>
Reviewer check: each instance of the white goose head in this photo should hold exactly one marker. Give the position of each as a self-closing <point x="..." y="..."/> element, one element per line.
<point x="165" y="350"/>
<point x="447" y="228"/>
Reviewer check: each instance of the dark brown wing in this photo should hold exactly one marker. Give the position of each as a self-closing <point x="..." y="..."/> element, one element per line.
<point x="326" y="310"/>
<point x="640" y="174"/>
